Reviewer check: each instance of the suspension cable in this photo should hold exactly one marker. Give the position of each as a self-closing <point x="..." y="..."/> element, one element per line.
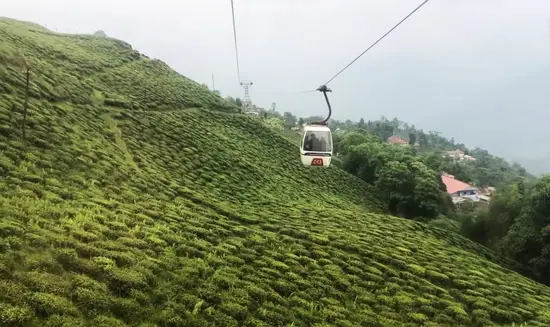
<point x="235" y="41"/>
<point x="380" y="39"/>
<point x="323" y="88"/>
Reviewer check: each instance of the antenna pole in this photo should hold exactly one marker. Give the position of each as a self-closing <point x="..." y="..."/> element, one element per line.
<point x="213" y="84"/>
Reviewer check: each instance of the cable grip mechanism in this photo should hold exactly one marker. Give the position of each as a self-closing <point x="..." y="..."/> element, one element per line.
<point x="325" y="89"/>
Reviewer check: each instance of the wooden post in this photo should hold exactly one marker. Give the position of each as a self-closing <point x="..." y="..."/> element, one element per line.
<point x="25" y="105"/>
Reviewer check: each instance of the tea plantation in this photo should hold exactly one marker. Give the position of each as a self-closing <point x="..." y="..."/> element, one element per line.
<point x="136" y="197"/>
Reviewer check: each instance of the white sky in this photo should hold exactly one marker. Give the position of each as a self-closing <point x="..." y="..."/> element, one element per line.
<point x="475" y="70"/>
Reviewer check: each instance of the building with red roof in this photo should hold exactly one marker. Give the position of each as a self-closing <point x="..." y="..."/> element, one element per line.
<point x="394" y="139"/>
<point x="460" y="190"/>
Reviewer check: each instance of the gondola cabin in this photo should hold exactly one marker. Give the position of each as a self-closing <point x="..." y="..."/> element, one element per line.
<point x="316" y="146"/>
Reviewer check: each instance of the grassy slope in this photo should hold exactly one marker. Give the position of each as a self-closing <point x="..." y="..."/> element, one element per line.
<point x="114" y="217"/>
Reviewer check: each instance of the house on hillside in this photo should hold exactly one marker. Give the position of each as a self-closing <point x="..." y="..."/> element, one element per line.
<point x="394" y="139"/>
<point x="459" y="155"/>
<point x="489" y="190"/>
<point x="461" y="191"/>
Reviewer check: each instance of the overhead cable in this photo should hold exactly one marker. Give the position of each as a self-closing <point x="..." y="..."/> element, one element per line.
<point x="375" y="43"/>
<point x="235" y="41"/>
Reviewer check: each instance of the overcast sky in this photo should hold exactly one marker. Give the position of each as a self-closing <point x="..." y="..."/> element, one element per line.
<point x="475" y="70"/>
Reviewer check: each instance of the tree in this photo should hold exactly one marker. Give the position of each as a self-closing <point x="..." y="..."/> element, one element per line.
<point x="428" y="198"/>
<point x="383" y="130"/>
<point x="412" y="138"/>
<point x="528" y="240"/>
<point x="395" y="123"/>
<point x="422" y="139"/>
<point x="289" y="120"/>
<point x="355" y="138"/>
<point x="433" y="160"/>
<point x="410" y="188"/>
<point x="360" y="161"/>
<point x="300" y="121"/>
<point x="396" y="186"/>
<point x="238" y="102"/>
<point x="361" y="123"/>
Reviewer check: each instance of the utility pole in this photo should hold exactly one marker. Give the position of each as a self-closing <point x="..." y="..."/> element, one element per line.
<point x="213" y="84"/>
<point x="247" y="103"/>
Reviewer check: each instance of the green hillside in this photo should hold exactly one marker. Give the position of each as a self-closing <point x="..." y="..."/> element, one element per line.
<point x="126" y="204"/>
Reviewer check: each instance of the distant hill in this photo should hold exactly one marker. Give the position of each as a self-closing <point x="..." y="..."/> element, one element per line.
<point x="136" y="197"/>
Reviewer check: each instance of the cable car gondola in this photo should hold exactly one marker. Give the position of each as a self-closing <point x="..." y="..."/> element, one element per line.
<point x="316" y="145"/>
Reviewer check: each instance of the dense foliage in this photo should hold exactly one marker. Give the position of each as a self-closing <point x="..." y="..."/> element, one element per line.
<point x="409" y="186"/>
<point x="129" y="207"/>
<point x="486" y="170"/>
<point x="516" y="224"/>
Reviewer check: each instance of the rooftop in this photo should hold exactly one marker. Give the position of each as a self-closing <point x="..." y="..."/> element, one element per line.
<point x="397" y="140"/>
<point x="454" y="185"/>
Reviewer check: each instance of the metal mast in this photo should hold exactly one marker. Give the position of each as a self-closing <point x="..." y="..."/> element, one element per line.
<point x="247" y="103"/>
